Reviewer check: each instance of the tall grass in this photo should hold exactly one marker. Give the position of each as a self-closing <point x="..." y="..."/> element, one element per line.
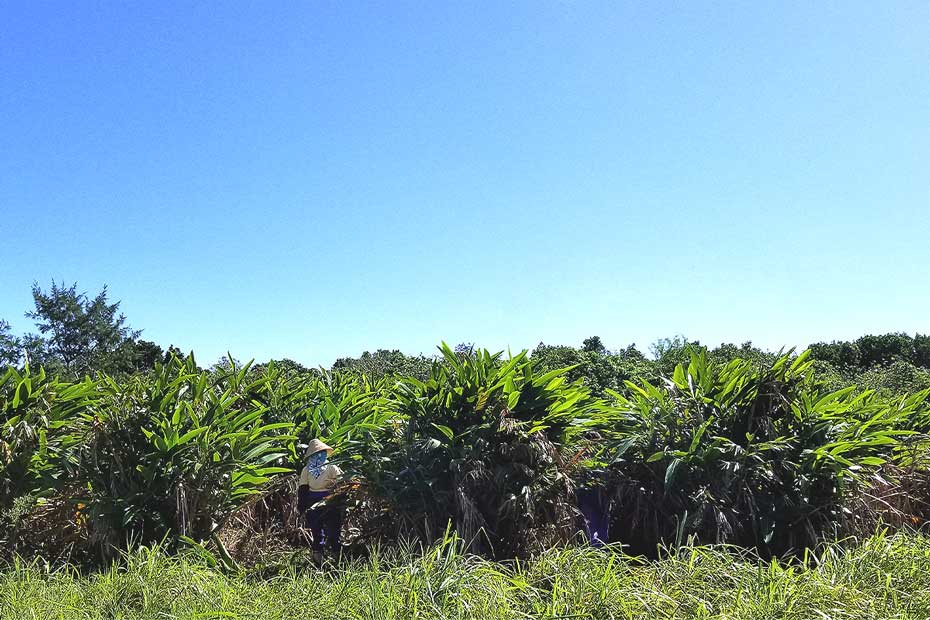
<point x="882" y="578"/>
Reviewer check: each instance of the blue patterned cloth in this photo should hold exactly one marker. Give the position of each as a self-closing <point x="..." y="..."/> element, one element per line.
<point x="316" y="462"/>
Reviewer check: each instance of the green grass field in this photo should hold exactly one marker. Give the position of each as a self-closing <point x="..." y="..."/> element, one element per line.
<point x="882" y="578"/>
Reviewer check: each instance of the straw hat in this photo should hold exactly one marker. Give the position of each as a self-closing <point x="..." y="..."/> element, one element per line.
<point x="316" y="445"/>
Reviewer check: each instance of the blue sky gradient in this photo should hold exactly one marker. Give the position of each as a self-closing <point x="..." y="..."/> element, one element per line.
<point x="318" y="179"/>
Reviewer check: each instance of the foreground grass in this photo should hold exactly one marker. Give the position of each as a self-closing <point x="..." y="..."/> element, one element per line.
<point x="882" y="578"/>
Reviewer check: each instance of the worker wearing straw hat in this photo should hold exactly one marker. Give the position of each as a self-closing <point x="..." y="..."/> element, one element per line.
<point x="317" y="481"/>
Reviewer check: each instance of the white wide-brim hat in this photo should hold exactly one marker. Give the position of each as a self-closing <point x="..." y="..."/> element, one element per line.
<point x="316" y="445"/>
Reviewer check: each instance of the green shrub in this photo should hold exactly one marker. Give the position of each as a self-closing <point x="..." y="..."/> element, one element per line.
<point x="894" y="379"/>
<point x="38" y="415"/>
<point x="173" y="454"/>
<point x="739" y="453"/>
<point x="480" y="445"/>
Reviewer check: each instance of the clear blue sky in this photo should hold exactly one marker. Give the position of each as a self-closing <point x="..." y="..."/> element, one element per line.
<point x="318" y="179"/>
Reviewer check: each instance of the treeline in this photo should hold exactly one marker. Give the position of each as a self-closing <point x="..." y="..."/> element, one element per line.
<point x="890" y="364"/>
<point x="77" y="334"/>
<point x="107" y="441"/>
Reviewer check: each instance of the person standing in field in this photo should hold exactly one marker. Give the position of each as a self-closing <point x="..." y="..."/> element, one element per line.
<point x="318" y="479"/>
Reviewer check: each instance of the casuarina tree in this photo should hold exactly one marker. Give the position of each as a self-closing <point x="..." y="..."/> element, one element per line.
<point x="82" y="334"/>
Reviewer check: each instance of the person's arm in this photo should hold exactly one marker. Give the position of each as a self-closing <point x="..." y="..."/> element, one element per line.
<point x="334" y="476"/>
<point x="303" y="491"/>
<point x="303" y="497"/>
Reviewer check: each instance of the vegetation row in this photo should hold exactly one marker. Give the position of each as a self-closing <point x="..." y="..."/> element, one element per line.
<point x="757" y="454"/>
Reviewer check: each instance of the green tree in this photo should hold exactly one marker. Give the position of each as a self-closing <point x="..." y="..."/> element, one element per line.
<point x="595" y="369"/>
<point x="10" y="346"/>
<point x="81" y="334"/>
<point x="728" y="352"/>
<point x="631" y="365"/>
<point x="384" y="362"/>
<point x="600" y="369"/>
<point x="840" y="355"/>
<point x="146" y="354"/>
<point x="922" y="350"/>
<point x="594" y="345"/>
<point x="286" y="366"/>
<point x="670" y="352"/>
<point x="895" y="379"/>
<point x="885" y="349"/>
<point x="171" y="352"/>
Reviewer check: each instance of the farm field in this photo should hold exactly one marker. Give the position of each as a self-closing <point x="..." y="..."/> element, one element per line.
<point x="444" y="310"/>
<point x="169" y="493"/>
<point x="509" y="454"/>
<point x="881" y="578"/>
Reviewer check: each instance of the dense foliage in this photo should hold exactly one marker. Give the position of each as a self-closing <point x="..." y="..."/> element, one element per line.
<point x="480" y="444"/>
<point x="758" y="452"/>
<point x="107" y="441"/>
<point x="384" y="363"/>
<point x="755" y="455"/>
<point x="78" y="335"/>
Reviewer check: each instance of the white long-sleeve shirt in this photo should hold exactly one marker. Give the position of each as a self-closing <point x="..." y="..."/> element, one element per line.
<point x="329" y="474"/>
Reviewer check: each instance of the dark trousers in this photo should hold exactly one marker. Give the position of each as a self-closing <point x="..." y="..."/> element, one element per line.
<point x="324" y="522"/>
<point x="594" y="509"/>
